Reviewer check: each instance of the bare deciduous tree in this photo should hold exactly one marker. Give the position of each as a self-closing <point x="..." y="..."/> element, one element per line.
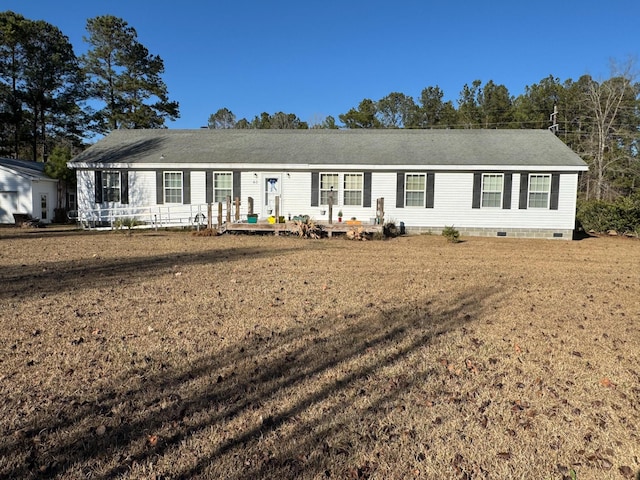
<point x="609" y="103"/>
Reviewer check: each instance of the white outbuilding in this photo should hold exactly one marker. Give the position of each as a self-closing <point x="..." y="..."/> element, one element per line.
<point x="25" y="190"/>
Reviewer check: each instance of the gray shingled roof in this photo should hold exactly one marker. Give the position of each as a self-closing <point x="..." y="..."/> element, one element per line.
<point x="25" y="167"/>
<point x="319" y="147"/>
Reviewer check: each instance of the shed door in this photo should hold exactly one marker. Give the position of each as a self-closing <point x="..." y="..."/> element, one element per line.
<point x="8" y="206"/>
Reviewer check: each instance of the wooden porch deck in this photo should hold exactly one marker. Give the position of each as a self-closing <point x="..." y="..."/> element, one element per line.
<point x="287" y="227"/>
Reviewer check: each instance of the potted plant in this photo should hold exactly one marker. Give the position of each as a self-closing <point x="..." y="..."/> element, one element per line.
<point x="340" y="216"/>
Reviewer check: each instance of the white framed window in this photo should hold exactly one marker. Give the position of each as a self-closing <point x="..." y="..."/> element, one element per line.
<point x="43" y="206"/>
<point x="110" y="186"/>
<point x="222" y="186"/>
<point x="329" y="182"/>
<point x="172" y="187"/>
<point x="492" y="190"/>
<point x="415" y="189"/>
<point x="353" y="189"/>
<point x="539" y="189"/>
<point x="71" y="201"/>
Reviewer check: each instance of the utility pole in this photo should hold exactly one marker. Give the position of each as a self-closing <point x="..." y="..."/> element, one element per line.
<point x="553" y="118"/>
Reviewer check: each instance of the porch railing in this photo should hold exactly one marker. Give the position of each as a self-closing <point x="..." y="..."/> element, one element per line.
<point x="159" y="216"/>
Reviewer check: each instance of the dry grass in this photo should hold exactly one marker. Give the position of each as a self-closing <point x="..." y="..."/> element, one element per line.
<point x="168" y="355"/>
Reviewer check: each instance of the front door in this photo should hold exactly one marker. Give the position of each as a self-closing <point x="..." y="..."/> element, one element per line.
<point x="272" y="192"/>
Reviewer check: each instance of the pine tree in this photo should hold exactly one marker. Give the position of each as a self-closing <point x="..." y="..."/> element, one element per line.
<point x="125" y="77"/>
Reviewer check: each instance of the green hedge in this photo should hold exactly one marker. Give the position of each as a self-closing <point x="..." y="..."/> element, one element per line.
<point x="623" y="215"/>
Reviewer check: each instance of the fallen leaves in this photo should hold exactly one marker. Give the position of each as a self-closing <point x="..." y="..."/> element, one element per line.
<point x="605" y="382"/>
<point x="626" y="472"/>
<point x="473" y="367"/>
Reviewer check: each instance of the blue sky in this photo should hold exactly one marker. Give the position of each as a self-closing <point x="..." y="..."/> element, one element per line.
<point x="322" y="58"/>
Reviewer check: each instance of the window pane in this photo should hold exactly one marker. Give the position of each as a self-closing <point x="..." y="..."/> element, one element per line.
<point x="415" y="182"/>
<point x="538" y="200"/>
<point x="221" y="195"/>
<point x="415" y="199"/>
<point x="353" y="197"/>
<point x="173" y="196"/>
<point x="539" y="183"/>
<point x="533" y="184"/>
<point x="329" y="180"/>
<point x="173" y="180"/>
<point x="492" y="183"/>
<point x="353" y="182"/>
<point x="223" y="180"/>
<point x="111" y="179"/>
<point x="324" y="197"/>
<point x="491" y="199"/>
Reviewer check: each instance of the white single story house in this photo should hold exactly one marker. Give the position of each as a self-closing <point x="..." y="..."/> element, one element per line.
<point x="513" y="183"/>
<point x="26" y="190"/>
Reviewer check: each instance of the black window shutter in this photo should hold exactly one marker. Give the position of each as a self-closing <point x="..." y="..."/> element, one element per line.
<point x="208" y="180"/>
<point x="315" y="188"/>
<point x="431" y="177"/>
<point x="236" y="184"/>
<point x="506" y="194"/>
<point x="159" y="187"/>
<point x="98" y="186"/>
<point x="186" y="187"/>
<point x="366" y="201"/>
<point x="524" y="191"/>
<point x="400" y="190"/>
<point x="477" y="190"/>
<point x="555" y="188"/>
<point x="124" y="187"/>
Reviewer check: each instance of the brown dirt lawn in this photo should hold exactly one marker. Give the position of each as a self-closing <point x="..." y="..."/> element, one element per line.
<point x="168" y="355"/>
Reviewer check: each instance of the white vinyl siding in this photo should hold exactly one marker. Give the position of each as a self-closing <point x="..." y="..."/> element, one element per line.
<point x="492" y="190"/>
<point x="198" y="188"/>
<point x="451" y="206"/>
<point x="539" y="191"/>
<point x="172" y="187"/>
<point x="142" y="188"/>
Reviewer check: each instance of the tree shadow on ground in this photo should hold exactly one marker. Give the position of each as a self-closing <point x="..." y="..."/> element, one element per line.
<point x="39" y="279"/>
<point x="10" y="232"/>
<point x="291" y="385"/>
